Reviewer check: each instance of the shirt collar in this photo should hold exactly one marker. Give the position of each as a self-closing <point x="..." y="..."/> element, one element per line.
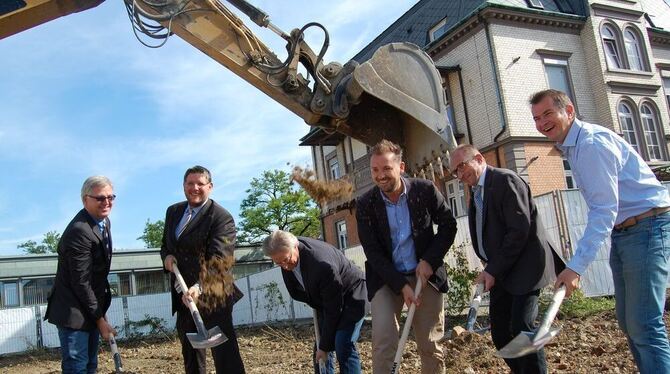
<point x="196" y="209"/>
<point x="573" y="134"/>
<point x="403" y="193"/>
<point x="482" y="178"/>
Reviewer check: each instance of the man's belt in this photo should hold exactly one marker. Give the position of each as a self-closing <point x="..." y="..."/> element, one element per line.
<point x="632" y="221"/>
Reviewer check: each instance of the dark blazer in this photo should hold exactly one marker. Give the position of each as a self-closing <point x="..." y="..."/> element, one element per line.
<point x="520" y="256"/>
<point x="334" y="286"/>
<point x="80" y="294"/>
<point x="210" y="233"/>
<point x="427" y="207"/>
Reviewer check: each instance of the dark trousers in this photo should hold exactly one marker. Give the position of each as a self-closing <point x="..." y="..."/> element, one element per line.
<point x="227" y="359"/>
<point x="511" y="314"/>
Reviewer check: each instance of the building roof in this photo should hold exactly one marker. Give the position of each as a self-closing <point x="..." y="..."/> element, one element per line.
<point x="26" y="266"/>
<point x="413" y="26"/>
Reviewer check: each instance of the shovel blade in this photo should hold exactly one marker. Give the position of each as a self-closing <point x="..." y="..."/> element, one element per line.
<point x="526" y="343"/>
<point x="214" y="338"/>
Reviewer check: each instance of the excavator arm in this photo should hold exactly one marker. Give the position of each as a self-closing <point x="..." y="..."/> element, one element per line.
<point x="397" y="94"/>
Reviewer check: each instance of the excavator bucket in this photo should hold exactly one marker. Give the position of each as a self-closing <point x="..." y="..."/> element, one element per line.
<point x="400" y="97"/>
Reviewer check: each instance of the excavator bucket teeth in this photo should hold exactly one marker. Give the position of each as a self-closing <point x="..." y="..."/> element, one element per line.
<point x="400" y="96"/>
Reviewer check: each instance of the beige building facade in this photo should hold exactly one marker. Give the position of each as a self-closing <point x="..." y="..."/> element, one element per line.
<point x="612" y="57"/>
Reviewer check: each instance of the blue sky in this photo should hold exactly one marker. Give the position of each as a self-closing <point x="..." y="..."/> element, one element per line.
<point x="81" y="96"/>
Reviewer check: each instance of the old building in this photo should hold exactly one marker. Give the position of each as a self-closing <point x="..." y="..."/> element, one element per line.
<point x="611" y="56"/>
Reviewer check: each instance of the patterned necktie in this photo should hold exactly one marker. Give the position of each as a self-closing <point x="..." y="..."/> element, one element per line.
<point x="105" y="236"/>
<point x="188" y="219"/>
<point x="479" y="220"/>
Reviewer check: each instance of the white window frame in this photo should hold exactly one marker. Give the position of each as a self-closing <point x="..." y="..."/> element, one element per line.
<point x="333" y="168"/>
<point x="608" y="35"/>
<point x="438" y="30"/>
<point x="456" y="197"/>
<point x="341" y="232"/>
<point x="628" y="125"/>
<point x="570" y="181"/>
<point x="649" y="119"/>
<point x="554" y="61"/>
<point x="634" y="53"/>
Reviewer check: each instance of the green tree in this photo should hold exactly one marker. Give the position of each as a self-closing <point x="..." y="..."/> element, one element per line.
<point x="49" y="244"/>
<point x="273" y="202"/>
<point x="152" y="235"/>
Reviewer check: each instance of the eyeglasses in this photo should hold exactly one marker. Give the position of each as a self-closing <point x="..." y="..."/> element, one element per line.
<point x="102" y="199"/>
<point x="286" y="260"/>
<point x="459" y="167"/>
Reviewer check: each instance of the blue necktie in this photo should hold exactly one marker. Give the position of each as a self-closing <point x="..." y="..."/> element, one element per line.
<point x="479" y="218"/>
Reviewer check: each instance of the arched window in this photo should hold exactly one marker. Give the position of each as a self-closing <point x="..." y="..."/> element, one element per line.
<point x="612" y="51"/>
<point x="650" y="129"/>
<point x="627" y="121"/>
<point x="633" y="50"/>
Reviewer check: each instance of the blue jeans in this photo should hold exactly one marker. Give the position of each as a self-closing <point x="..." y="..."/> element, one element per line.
<point x="639" y="259"/>
<point x="345" y="349"/>
<point x="79" y="350"/>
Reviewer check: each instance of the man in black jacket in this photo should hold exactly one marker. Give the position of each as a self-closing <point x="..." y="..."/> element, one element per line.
<point x="196" y="231"/>
<point x="319" y="275"/>
<point x="80" y="295"/>
<point x="508" y="236"/>
<point x="395" y="226"/>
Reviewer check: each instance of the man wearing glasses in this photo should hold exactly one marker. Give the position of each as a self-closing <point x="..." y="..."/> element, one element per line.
<point x="319" y="275"/>
<point x="395" y="225"/>
<point x="199" y="231"/>
<point x="80" y="295"/>
<point x="508" y="236"/>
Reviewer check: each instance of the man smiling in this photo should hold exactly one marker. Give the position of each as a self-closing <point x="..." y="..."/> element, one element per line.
<point x="626" y="202"/>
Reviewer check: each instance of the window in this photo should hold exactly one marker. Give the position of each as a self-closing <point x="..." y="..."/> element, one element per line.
<point x="558" y="75"/>
<point x="438" y="30"/>
<point x="537" y="4"/>
<point x="642" y="129"/>
<point x="334" y="168"/>
<point x="456" y="197"/>
<point x="611" y="47"/>
<point x="149" y="282"/>
<point x="633" y="51"/>
<point x="627" y="122"/>
<point x="341" y="229"/>
<point x="649" y="127"/>
<point x="9" y="295"/>
<point x="36" y="291"/>
<point x="666" y="88"/>
<point x="569" y="178"/>
<point x="119" y="284"/>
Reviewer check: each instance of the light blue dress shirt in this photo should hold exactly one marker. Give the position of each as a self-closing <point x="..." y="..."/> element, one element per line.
<point x="400" y="227"/>
<point x="615" y="181"/>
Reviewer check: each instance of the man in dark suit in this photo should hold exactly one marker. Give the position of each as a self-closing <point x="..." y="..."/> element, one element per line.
<point x="395" y="226"/>
<point x="509" y="238"/>
<point x="196" y="231"/>
<point x="319" y="275"/>
<point x="80" y="295"/>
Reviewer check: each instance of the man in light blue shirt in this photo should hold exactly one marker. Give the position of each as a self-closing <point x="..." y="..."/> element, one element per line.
<point x="627" y="202"/>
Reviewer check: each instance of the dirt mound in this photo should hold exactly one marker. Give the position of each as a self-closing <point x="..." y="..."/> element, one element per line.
<point x="591" y="345"/>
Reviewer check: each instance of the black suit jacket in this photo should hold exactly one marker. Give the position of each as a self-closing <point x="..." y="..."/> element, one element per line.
<point x="427" y="207"/>
<point x="520" y="256"/>
<point x="210" y="233"/>
<point x="80" y="294"/>
<point x="334" y="286"/>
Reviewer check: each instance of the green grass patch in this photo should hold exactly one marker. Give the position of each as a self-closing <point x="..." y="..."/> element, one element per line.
<point x="577" y="305"/>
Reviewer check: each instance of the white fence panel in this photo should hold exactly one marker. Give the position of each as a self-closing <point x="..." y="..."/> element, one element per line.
<point x="17" y="330"/>
<point x="49" y="331"/>
<point x="242" y="312"/>
<point x="156" y="305"/>
<point x="269" y="298"/>
<point x="597" y="279"/>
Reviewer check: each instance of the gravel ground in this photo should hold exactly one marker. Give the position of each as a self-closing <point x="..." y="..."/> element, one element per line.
<point x="590" y="345"/>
